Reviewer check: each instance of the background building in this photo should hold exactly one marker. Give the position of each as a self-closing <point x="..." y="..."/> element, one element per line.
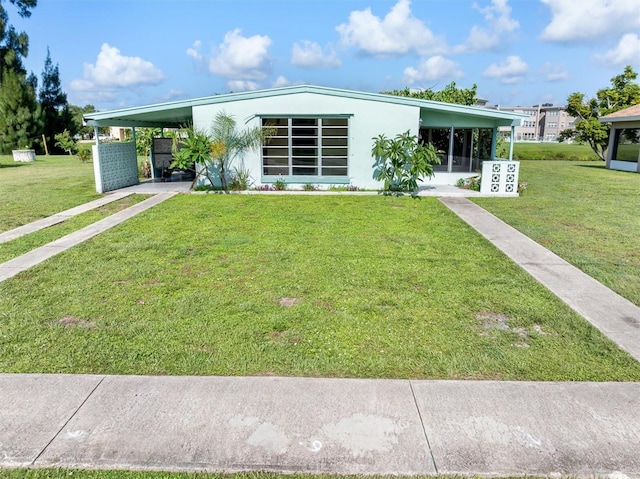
<point x="545" y="122"/>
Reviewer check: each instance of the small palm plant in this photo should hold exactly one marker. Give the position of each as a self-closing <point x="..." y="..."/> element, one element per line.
<point x="216" y="149"/>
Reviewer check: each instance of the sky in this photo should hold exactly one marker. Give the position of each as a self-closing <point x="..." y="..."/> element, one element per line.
<point x="117" y="54"/>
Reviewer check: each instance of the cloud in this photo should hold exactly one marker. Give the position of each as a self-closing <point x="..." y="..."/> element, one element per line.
<point x="511" y="70"/>
<point x="498" y="17"/>
<point x="281" y="81"/>
<point x="309" y="54"/>
<point x="113" y="70"/>
<point x="554" y="73"/>
<point x="627" y="52"/>
<point x="242" y="85"/>
<point x="398" y="33"/>
<point x="242" y="58"/>
<point x="194" y="51"/>
<point x="433" y="69"/>
<point x="174" y="95"/>
<point x="590" y="20"/>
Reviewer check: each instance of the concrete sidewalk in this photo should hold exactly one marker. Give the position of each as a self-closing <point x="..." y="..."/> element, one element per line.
<point x="342" y="426"/>
<point x="617" y="317"/>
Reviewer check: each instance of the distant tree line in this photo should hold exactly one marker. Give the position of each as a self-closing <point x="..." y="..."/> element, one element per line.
<point x="30" y="112"/>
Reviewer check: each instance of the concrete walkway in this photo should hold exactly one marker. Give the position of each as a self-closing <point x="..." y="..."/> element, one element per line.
<point x="342" y="426"/>
<point x="60" y="217"/>
<point x="38" y="255"/>
<point x="617" y="317"/>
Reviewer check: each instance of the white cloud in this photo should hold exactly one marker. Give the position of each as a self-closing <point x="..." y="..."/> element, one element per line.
<point x="194" y="50"/>
<point x="113" y="70"/>
<point x="242" y="85"/>
<point x="627" y="52"/>
<point x="242" y="58"/>
<point x="554" y="73"/>
<point x="281" y="81"/>
<point x="511" y="70"/>
<point x="309" y="54"/>
<point x="398" y="33"/>
<point x="433" y="69"/>
<point x="590" y="19"/>
<point x="498" y="17"/>
<point x="174" y="95"/>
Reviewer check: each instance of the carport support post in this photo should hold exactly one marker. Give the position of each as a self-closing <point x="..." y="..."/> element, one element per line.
<point x="513" y="131"/>
<point x="494" y="143"/>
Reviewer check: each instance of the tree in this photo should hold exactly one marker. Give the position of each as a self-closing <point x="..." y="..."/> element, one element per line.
<point x="65" y="142"/>
<point x="53" y="102"/>
<point x="20" y="117"/>
<point x="450" y="94"/>
<point x="623" y="93"/>
<point x="402" y="162"/>
<point x="14" y="46"/>
<point x="76" y="112"/>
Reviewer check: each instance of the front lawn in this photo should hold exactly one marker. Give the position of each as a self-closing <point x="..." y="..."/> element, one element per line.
<point x="333" y="286"/>
<point x="49" y="185"/>
<point x="584" y="213"/>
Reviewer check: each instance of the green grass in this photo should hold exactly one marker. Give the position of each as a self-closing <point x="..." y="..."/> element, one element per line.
<point x="377" y="287"/>
<point x="51" y="184"/>
<point x="583" y="212"/>
<point x="26" y="243"/>
<point x="553" y="151"/>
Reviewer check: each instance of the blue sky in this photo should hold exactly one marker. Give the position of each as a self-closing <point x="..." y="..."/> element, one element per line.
<point x="117" y="53"/>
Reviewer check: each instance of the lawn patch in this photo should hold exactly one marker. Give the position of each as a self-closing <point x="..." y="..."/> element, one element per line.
<point x="192" y="287"/>
<point x="584" y="213"/>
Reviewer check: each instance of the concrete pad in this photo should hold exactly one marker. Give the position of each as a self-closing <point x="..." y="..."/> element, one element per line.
<point x="33" y="408"/>
<point x="257" y="423"/>
<point x="524" y="428"/>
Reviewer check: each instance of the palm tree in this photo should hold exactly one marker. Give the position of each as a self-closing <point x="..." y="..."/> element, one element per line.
<point x="227" y="143"/>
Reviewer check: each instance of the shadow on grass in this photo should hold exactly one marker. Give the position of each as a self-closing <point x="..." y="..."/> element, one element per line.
<point x="601" y="167"/>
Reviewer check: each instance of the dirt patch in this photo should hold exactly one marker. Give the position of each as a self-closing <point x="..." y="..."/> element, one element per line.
<point x="493" y="323"/>
<point x="73" y="322"/>
<point x="288" y="302"/>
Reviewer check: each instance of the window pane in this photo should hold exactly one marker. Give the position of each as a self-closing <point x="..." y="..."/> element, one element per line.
<point x="334" y="172"/>
<point x="334" y="152"/>
<point x="334" y="132"/>
<point x="334" y="162"/>
<point x="271" y="161"/>
<point x="277" y="141"/>
<point x="334" y="141"/>
<point x="273" y="170"/>
<point x="304" y="152"/>
<point x="334" y="122"/>
<point x="305" y="162"/>
<point x="278" y="122"/>
<point x="267" y="151"/>
<point x="305" y="171"/>
<point x="304" y="121"/>
<point x="304" y="141"/>
<point x="304" y="132"/>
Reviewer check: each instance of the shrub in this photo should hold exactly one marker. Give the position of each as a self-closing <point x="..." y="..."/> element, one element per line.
<point x="472" y="183"/>
<point x="280" y="185"/>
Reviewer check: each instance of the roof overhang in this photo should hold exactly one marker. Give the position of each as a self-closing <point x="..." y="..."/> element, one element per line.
<point x="179" y="113"/>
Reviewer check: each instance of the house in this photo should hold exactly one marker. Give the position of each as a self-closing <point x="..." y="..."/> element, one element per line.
<point x="324" y="135"/>
<point x="623" y="152"/>
<point x="543" y="123"/>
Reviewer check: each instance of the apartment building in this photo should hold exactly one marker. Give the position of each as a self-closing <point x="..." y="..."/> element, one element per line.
<point x="545" y="122"/>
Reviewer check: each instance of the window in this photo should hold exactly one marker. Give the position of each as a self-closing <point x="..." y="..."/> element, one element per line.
<point x="553" y="113"/>
<point x="306" y="147"/>
<point x="552" y="124"/>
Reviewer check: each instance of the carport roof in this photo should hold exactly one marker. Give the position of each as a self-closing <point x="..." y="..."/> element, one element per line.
<point x="179" y="113"/>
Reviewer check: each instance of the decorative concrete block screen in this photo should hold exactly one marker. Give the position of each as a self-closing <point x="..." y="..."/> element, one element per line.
<point x="500" y="177"/>
<point x="115" y="166"/>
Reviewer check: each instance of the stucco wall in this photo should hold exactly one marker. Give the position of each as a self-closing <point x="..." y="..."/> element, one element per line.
<point x="115" y="165"/>
<point x="367" y="119"/>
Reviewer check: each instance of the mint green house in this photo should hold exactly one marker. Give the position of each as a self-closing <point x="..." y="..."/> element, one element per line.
<point x="323" y="135"/>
